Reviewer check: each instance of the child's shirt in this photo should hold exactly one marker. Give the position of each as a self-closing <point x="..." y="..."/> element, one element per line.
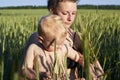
<point x="51" y="62"/>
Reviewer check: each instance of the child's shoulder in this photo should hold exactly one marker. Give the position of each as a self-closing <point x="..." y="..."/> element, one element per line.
<point x="33" y="45"/>
<point x="37" y="49"/>
<point x="37" y="46"/>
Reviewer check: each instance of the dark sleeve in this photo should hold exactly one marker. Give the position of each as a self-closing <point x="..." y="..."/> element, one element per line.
<point x="32" y="39"/>
<point x="77" y="43"/>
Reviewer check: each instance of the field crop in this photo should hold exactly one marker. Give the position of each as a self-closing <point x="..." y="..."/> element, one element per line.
<point x="100" y="28"/>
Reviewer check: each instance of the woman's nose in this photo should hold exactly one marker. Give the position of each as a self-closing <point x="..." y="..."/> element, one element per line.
<point x="69" y="17"/>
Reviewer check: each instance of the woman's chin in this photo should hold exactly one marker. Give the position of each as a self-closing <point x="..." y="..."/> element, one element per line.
<point x="67" y="26"/>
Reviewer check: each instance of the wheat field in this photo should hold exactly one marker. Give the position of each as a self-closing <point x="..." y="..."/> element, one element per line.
<point x="99" y="28"/>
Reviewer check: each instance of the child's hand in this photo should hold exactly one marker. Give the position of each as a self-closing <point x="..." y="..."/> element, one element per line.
<point x="81" y="60"/>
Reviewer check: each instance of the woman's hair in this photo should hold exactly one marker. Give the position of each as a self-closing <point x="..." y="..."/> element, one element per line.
<point x="53" y="4"/>
<point x="51" y="27"/>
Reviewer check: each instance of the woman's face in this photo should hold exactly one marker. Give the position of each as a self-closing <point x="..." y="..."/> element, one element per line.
<point x="67" y="11"/>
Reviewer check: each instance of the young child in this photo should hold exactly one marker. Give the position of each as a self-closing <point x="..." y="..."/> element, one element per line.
<point x="49" y="54"/>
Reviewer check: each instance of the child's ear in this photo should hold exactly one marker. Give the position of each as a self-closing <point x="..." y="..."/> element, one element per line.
<point x="40" y="38"/>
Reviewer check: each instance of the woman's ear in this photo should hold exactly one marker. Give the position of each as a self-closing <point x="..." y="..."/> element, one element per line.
<point x="51" y="10"/>
<point x="40" y="39"/>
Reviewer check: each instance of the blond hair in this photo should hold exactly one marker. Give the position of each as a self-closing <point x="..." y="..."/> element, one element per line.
<point x="51" y="27"/>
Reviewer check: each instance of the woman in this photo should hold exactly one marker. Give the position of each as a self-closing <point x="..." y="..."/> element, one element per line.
<point x="66" y="9"/>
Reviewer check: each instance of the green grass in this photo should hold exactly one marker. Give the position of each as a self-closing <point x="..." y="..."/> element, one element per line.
<point x="103" y="27"/>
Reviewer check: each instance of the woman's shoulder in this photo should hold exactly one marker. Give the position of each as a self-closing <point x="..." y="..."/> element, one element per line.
<point x="70" y="30"/>
<point x="71" y="33"/>
<point x="70" y="36"/>
<point x="34" y="34"/>
<point x="32" y="39"/>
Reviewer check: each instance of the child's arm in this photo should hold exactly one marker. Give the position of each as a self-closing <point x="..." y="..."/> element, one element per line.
<point x="29" y="74"/>
<point x="74" y="55"/>
<point x="27" y="67"/>
<point x="78" y="57"/>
